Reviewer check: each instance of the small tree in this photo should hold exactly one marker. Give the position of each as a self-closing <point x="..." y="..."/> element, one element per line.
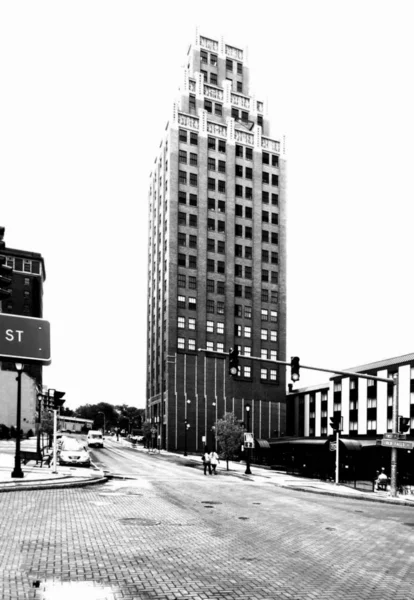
<point x="146" y="432"/>
<point x="229" y="436"/>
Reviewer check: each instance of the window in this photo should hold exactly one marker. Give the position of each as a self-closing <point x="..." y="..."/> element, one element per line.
<point x="193" y="200"/>
<point x="208" y="106"/>
<point x="265" y="216"/>
<point x="248" y="212"/>
<point x="275" y="179"/>
<point x="263" y="353"/>
<point x="221" y="146"/>
<point x="239" y="150"/>
<point x="238" y="310"/>
<point x="260" y="120"/>
<point x="265" y="158"/>
<point x="192" y="102"/>
<point x="193" y="179"/>
<point x="211" y="164"/>
<point x="211" y="184"/>
<point x="248" y="193"/>
<point x="265" y="255"/>
<point x="182" y="156"/>
<point x="210" y="326"/>
<point x="273" y="355"/>
<point x="265" y="315"/>
<point x="210" y="346"/>
<point x="229" y="65"/>
<point x="220" y="347"/>
<point x="263" y="334"/>
<point x="192" y="241"/>
<point x="181" y="280"/>
<point x="220" y="267"/>
<point x="245" y="115"/>
<point x="238" y="210"/>
<point x="238" y="250"/>
<point x="181" y="301"/>
<point x="247" y="371"/>
<point x="248" y="252"/>
<point x="273" y="297"/>
<point x="218" y="108"/>
<point x="274" y="258"/>
<point x="275" y="160"/>
<point x="211" y="245"/>
<point x="211" y="224"/>
<point x="211" y="143"/>
<point x="273" y="375"/>
<point x="192" y="282"/>
<point x="249" y="173"/>
<point x="273" y="336"/>
<point x="239" y="171"/>
<point x="263" y="373"/>
<point x="248" y="233"/>
<point x="274" y="276"/>
<point x="210" y="285"/>
<point x="238" y="290"/>
<point x="221" y="226"/>
<point x="275" y="199"/>
<point x="248" y="272"/>
<point x="220" y="288"/>
<point x="204" y="56"/>
<point x="265" y="197"/>
<point x="210" y="306"/>
<point x="247" y="312"/>
<point x="248" y="332"/>
<point x="247" y="350"/>
<point x="210" y="265"/>
<point x="240" y="87"/>
<point x="182" y="239"/>
<point x="182" y="135"/>
<point x="222" y="186"/>
<point x="239" y="68"/>
<point x="182" y="177"/>
<point x="220" y="328"/>
<point x="220" y="308"/>
<point x="192" y="261"/>
<point x="239" y="191"/>
<point x="211" y="203"/>
<point x="181" y="260"/>
<point x="237" y="330"/>
<point x="265" y="177"/>
<point x="265" y="235"/>
<point x="192" y="220"/>
<point x="235" y="113"/>
<point x="181" y="343"/>
<point x="182" y="197"/>
<point x="248" y="292"/>
<point x="275" y="238"/>
<point x="238" y="270"/>
<point x="213" y="59"/>
<point x="193" y="138"/>
<point x="191" y="344"/>
<point x="193" y="159"/>
<point x="273" y="316"/>
<point x="192" y="303"/>
<point x="181" y="323"/>
<point x="221" y="206"/>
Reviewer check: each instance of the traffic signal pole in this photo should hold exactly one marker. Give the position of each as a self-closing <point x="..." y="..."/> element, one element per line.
<point x="394" y="451"/>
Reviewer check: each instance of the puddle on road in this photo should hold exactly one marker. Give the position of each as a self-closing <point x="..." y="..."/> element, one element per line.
<point x="67" y="590"/>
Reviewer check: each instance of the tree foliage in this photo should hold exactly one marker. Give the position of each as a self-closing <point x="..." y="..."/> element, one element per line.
<point x="121" y="415"/>
<point x="229" y="436"/>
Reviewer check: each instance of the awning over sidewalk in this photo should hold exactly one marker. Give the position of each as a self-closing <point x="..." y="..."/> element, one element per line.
<point x="262" y="443"/>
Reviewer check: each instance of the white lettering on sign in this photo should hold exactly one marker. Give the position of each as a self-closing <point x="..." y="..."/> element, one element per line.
<point x="10" y="335"/>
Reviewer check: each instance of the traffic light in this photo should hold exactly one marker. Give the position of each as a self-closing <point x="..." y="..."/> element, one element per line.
<point x="58" y="400"/>
<point x="294" y="368"/>
<point x="6" y="274"/>
<point x="404" y="424"/>
<point x="2" y="242"/>
<point x="234" y="361"/>
<point x="335" y="423"/>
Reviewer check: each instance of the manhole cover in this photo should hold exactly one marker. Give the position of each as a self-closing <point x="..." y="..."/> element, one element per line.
<point x="330" y="528"/>
<point x="258" y="503"/>
<point x="208" y="506"/>
<point x="139" y="521"/>
<point x="210" y="502"/>
<point x="244" y="518"/>
<point x="409" y="524"/>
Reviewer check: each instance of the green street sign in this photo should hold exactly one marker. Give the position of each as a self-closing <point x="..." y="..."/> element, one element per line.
<point x="24" y="339"/>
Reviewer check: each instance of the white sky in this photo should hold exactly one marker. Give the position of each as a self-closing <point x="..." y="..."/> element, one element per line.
<point x="86" y="90"/>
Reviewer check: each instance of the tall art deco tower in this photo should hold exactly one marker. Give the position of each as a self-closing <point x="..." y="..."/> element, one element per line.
<point x="217" y="257"/>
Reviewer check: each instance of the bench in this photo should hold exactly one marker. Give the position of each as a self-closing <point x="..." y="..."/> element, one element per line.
<point x="28" y="455"/>
<point x="382" y="485"/>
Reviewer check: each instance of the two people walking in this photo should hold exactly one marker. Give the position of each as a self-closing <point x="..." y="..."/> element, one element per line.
<point x="210" y="461"/>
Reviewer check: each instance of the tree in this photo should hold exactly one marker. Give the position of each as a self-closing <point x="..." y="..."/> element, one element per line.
<point x="130" y="417"/>
<point x="229" y="436"/>
<point x="90" y="411"/>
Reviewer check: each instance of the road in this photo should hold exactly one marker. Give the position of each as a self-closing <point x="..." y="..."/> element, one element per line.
<point x="169" y="532"/>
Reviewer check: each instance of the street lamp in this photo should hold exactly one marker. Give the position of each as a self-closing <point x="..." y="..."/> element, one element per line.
<point x="247" y="450"/>
<point x="104" y="428"/>
<point x="17" y="472"/>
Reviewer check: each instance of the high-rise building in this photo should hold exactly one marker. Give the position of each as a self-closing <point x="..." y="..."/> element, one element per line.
<point x="217" y="257"/>
<point x="26" y="300"/>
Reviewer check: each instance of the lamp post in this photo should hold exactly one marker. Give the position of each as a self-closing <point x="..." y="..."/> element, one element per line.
<point x="247" y="450"/>
<point x="17" y="472"/>
<point x="40" y="398"/>
<point x="186" y="428"/>
<point x="102" y="413"/>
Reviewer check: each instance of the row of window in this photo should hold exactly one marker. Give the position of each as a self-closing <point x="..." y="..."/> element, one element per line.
<point x="246" y="332"/>
<point x="213" y="204"/>
<point x="218" y="287"/>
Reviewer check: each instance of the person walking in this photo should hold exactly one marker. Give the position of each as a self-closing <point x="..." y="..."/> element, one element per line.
<point x="214" y="460"/>
<point x="206" y="461"/>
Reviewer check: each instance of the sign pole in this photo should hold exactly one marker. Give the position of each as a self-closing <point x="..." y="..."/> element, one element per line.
<point x="54" y="441"/>
<point x="337" y="458"/>
<point x="17" y="472"/>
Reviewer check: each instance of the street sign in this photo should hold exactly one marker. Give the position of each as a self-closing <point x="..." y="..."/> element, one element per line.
<point x="24" y="339"/>
<point x="391" y="436"/>
<point x="397" y="444"/>
<point x="248" y="440"/>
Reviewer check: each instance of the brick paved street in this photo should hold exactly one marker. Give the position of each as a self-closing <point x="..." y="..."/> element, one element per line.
<point x="174" y="533"/>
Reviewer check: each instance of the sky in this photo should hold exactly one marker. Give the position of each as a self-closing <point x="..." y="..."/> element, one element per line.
<point x="86" y="91"/>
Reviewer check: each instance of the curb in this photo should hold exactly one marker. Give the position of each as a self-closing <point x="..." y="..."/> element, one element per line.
<point x="54" y="485"/>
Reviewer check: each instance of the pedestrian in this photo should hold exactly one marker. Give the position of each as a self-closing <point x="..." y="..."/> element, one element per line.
<point x="381" y="479"/>
<point x="214" y="460"/>
<point x="206" y="461"/>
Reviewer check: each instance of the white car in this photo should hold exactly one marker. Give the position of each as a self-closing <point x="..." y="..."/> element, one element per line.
<point x="74" y="453"/>
<point x="95" y="438"/>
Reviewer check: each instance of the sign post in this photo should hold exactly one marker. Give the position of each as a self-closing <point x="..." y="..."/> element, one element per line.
<point x="24" y="339"/>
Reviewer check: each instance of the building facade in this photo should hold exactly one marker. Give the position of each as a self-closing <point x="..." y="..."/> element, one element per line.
<point x="217" y="256"/>
<point x="26" y="300"/>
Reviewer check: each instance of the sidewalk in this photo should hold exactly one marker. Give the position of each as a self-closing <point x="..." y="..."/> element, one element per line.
<point x="37" y="477"/>
<point x="281" y="479"/>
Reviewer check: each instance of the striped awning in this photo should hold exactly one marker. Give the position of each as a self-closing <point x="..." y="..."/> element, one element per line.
<point x="262" y="443"/>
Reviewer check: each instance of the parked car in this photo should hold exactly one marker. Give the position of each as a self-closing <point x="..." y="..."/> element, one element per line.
<point x="74" y="453"/>
<point x="95" y="438"/>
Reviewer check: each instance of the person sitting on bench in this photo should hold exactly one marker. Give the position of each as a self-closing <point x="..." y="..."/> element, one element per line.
<point x="381" y="481"/>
